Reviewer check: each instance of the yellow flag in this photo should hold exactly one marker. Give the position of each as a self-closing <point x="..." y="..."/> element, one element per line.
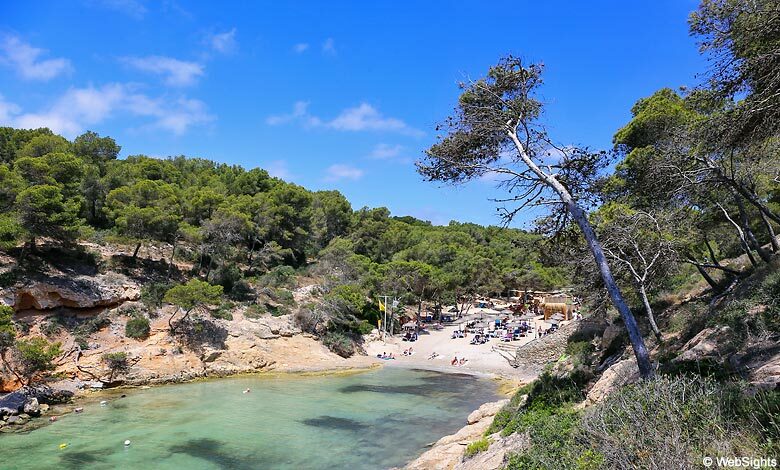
<point x="381" y="306"/>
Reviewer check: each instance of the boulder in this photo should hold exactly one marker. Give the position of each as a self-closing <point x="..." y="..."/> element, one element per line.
<point x="486" y="410"/>
<point x="75" y="292"/>
<point x="613" y="339"/>
<point x="14" y="420"/>
<point x="211" y="356"/>
<point x="496" y="455"/>
<point x="622" y="373"/>
<point x="710" y="343"/>
<point x="32" y="406"/>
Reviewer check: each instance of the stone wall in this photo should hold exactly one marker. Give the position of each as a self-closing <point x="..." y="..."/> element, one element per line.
<point x="539" y="352"/>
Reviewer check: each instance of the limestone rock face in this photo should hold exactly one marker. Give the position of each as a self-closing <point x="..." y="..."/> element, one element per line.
<point x="710" y="343"/>
<point x="621" y="373"/>
<point x="76" y="292"/>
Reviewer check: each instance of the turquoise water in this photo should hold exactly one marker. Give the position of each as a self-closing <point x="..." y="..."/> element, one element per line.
<point x="376" y="419"/>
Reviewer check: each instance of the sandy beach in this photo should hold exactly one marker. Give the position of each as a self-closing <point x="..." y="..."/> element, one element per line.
<point x="480" y="358"/>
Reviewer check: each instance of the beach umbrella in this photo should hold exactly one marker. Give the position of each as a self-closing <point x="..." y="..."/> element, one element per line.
<point x="557" y="316"/>
<point x="553" y="321"/>
<point x="528" y="316"/>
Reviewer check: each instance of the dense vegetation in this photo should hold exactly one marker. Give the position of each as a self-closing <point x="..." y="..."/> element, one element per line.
<point x="245" y="232"/>
<point x="693" y="192"/>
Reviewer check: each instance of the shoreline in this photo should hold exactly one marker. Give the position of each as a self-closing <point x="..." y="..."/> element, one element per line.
<point x="505" y="386"/>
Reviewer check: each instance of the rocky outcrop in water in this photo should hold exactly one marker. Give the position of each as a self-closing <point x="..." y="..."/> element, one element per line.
<point x="18" y="407"/>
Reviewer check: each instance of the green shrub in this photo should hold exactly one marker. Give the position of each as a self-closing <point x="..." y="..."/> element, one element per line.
<point x="152" y="293"/>
<point x="552" y="434"/>
<point x="278" y="310"/>
<point x="580" y="351"/>
<point x="339" y="343"/>
<point x="674" y="421"/>
<point x="545" y="396"/>
<point x="81" y="341"/>
<point x="93" y="325"/>
<point x="364" y="327"/>
<point x="7" y="328"/>
<point x="283" y="296"/>
<point x="280" y="276"/>
<point x="222" y="313"/>
<point x="115" y="360"/>
<point x="8" y="278"/>
<point x="137" y="328"/>
<point x="35" y="355"/>
<point x="476" y="447"/>
<point x="51" y="326"/>
<point x="255" y="311"/>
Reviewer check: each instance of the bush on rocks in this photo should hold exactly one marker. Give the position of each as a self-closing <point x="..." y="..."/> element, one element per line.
<point x="137" y="328"/>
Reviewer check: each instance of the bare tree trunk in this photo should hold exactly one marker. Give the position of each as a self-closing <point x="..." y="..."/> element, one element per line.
<point x="715" y="286"/>
<point x="713" y="258"/>
<point x="581" y="218"/>
<point x="771" y="231"/>
<point x="170" y="319"/>
<point x="649" y="310"/>
<point x="749" y="232"/>
<point x="173" y="255"/>
<point x="742" y="239"/>
<point x="251" y="253"/>
<point x="748" y="194"/>
<point x="634" y="335"/>
<point x="137" y="247"/>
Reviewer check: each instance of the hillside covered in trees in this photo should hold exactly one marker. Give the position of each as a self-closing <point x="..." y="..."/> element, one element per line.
<point x="243" y="232"/>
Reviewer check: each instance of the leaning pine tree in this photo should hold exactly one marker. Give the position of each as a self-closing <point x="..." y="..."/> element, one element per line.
<point x="496" y="131"/>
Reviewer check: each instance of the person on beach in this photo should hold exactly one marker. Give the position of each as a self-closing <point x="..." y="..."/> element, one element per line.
<point x="454" y="361"/>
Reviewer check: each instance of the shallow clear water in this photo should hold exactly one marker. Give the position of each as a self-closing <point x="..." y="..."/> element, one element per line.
<point x="376" y="419"/>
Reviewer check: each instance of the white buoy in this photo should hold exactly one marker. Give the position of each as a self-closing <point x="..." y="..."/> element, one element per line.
<point x="127" y="443"/>
<point x="103" y="403"/>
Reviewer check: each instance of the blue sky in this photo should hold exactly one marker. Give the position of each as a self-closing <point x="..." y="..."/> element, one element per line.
<point x="330" y="95"/>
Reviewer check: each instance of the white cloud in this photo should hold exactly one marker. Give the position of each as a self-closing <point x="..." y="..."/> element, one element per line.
<point x="329" y="47"/>
<point x="80" y="108"/>
<point x="300" y="113"/>
<point x="7" y="110"/>
<point x="25" y="60"/>
<point x="133" y="8"/>
<point x="176" y="72"/>
<point x="363" y="117"/>
<point x="343" y="172"/>
<point x="388" y="152"/>
<point x="279" y="169"/>
<point x="300" y="47"/>
<point x="385" y="151"/>
<point x="366" y="117"/>
<point x="224" y="43"/>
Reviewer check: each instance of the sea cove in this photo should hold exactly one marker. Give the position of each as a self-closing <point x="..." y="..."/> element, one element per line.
<point x="375" y="419"/>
